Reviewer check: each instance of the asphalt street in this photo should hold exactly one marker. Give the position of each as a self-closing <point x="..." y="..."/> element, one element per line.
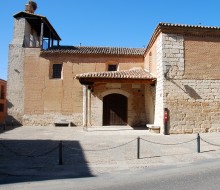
<point x="203" y="175"/>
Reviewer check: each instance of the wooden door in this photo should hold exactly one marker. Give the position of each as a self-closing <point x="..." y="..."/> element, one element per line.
<point x="115" y="109"/>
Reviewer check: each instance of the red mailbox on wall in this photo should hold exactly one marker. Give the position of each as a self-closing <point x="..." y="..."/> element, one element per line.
<point x="166" y="119"/>
<point x="166" y="115"/>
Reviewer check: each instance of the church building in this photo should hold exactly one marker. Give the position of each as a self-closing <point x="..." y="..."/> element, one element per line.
<point x="172" y="85"/>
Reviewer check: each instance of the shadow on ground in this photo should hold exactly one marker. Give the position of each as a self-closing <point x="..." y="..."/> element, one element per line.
<point x="4" y="128"/>
<point x="120" y="128"/>
<point x="37" y="160"/>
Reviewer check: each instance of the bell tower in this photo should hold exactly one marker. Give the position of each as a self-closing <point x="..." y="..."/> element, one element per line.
<point x="30" y="31"/>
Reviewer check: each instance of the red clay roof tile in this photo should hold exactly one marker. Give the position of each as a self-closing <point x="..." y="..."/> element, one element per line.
<point x="125" y="74"/>
<point x="94" y="50"/>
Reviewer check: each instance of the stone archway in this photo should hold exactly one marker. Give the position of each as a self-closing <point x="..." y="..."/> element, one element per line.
<point x="115" y="109"/>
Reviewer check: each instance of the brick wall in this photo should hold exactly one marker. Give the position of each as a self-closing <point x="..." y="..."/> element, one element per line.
<point x="151" y="59"/>
<point x="202" y="60"/>
<point x="47" y="100"/>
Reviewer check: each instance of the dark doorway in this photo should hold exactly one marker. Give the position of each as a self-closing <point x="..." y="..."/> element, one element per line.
<point x="115" y="109"/>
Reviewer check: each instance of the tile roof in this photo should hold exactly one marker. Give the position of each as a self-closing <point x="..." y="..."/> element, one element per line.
<point x="182" y="29"/>
<point x="94" y="50"/>
<point x="125" y="74"/>
<point x="188" y="26"/>
<point x="3" y="80"/>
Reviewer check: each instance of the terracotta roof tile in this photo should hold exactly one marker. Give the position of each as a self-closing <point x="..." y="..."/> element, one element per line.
<point x="125" y="74"/>
<point x="3" y="80"/>
<point x="188" y="26"/>
<point x="94" y="50"/>
<point x="183" y="29"/>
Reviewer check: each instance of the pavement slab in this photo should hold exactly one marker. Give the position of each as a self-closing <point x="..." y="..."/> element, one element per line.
<point x="30" y="153"/>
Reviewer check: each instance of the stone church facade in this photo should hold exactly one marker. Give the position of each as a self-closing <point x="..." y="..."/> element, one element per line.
<point x="177" y="74"/>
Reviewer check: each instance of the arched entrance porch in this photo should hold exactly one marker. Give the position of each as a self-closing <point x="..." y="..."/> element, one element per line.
<point x="115" y="109"/>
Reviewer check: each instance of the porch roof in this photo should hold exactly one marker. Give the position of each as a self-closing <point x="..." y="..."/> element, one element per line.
<point x="138" y="75"/>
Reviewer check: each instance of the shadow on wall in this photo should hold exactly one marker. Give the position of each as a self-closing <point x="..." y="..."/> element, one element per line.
<point x="191" y="92"/>
<point x="37" y="160"/>
<point x="10" y="123"/>
<point x="9" y="104"/>
<point x="139" y="125"/>
<point x="188" y="90"/>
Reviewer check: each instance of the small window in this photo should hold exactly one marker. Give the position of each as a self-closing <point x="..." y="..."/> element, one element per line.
<point x="2" y="95"/>
<point x="112" y="67"/>
<point x="57" y="70"/>
<point x="1" y="107"/>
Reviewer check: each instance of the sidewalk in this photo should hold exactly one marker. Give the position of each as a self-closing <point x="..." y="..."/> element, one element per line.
<point x="31" y="153"/>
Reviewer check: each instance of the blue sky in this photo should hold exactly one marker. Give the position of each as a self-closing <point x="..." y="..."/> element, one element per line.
<point x="124" y="23"/>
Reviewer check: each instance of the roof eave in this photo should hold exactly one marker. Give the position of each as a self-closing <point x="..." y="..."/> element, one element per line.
<point x="182" y="29"/>
<point x="43" y="19"/>
<point x="46" y="21"/>
<point x="92" y="80"/>
<point x="156" y="33"/>
<point x="3" y="80"/>
<point x="91" y="50"/>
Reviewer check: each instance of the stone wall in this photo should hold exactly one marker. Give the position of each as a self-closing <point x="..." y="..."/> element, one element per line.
<point x="150" y="103"/>
<point x="191" y="94"/>
<point x="173" y="56"/>
<point x="159" y="96"/>
<point x="137" y="115"/>
<point x="49" y="119"/>
<point x="15" y="83"/>
<point x="194" y="105"/>
<point x="23" y="37"/>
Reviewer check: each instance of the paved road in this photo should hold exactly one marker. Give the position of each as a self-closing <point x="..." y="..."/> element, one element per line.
<point x="202" y="175"/>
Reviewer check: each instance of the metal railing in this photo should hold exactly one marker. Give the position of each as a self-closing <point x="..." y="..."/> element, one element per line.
<point x="61" y="145"/>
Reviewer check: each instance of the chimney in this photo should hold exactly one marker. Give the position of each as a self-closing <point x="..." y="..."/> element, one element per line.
<point x="30" y="7"/>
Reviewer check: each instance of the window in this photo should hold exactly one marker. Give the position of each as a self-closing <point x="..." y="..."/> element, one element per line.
<point x="112" y="67"/>
<point x="57" y="70"/>
<point x="2" y="96"/>
<point x="1" y="107"/>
